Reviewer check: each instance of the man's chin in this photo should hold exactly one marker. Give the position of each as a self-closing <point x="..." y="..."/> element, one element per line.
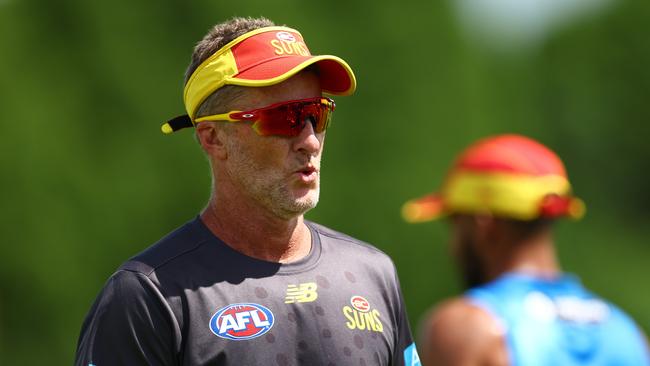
<point x="294" y="204"/>
<point x="294" y="209"/>
<point x="305" y="201"/>
<point x="304" y="193"/>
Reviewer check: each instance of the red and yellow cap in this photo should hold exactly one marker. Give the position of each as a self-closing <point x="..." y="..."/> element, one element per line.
<point x="262" y="57"/>
<point x="508" y="176"/>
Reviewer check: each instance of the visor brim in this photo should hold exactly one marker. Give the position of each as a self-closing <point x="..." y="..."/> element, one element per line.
<point x="427" y="208"/>
<point x="335" y="75"/>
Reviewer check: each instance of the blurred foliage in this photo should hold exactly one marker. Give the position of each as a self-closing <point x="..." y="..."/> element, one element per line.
<point x="89" y="180"/>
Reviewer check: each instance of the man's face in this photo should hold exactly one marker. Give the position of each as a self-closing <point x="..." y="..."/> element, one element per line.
<point x="465" y="249"/>
<point x="280" y="173"/>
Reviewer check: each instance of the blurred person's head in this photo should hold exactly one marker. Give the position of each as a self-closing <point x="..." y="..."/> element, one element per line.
<point x="500" y="197"/>
<point x="253" y="92"/>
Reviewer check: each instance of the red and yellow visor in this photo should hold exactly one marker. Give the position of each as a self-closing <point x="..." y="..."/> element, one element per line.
<point x="507" y="176"/>
<point x="262" y="57"/>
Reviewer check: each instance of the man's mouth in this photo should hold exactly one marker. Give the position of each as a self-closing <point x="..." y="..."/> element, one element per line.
<point x="308" y="173"/>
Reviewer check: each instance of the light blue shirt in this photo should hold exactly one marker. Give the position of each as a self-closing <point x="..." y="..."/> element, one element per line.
<point x="558" y="322"/>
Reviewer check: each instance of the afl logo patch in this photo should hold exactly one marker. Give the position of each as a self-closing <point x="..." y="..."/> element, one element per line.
<point x="241" y="321"/>
<point x="360" y="303"/>
<point x="285" y="36"/>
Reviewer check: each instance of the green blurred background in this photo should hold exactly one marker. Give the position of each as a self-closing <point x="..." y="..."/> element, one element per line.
<point x="88" y="180"/>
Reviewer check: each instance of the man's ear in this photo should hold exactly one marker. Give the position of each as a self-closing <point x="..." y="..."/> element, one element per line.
<point x="212" y="140"/>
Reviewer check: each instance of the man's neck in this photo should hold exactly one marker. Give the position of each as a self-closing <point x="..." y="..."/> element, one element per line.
<point x="257" y="233"/>
<point x="535" y="257"/>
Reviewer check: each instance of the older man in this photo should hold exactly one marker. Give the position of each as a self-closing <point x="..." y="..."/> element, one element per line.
<point x="502" y="195"/>
<point x="249" y="281"/>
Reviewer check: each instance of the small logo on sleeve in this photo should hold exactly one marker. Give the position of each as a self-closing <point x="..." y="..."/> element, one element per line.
<point x="361" y="315"/>
<point x="304" y="292"/>
<point x="411" y="357"/>
<point x="241" y="321"/>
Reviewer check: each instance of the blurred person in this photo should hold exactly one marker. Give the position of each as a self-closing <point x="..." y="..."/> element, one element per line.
<point x="249" y="281"/>
<point x="501" y="197"/>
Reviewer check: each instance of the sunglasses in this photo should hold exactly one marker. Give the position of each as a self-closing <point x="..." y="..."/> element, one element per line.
<point x="282" y="119"/>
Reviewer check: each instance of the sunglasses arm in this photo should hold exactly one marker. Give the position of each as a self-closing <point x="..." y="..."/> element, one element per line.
<point x="224" y="117"/>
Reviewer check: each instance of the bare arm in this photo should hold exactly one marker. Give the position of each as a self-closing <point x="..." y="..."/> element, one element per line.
<point x="457" y="333"/>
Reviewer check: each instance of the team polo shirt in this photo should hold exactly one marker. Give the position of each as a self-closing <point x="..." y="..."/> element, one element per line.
<point x="556" y="321"/>
<point x="190" y="299"/>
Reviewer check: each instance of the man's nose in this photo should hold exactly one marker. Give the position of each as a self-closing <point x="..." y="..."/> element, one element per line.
<point x="308" y="141"/>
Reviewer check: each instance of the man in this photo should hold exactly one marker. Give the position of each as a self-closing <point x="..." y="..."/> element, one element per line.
<point x="502" y="196"/>
<point x="249" y="281"/>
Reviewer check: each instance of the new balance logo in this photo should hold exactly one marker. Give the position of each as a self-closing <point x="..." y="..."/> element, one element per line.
<point x="304" y="292"/>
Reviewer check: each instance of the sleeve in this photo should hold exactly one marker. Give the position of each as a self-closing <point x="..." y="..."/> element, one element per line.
<point x="405" y="351"/>
<point x="130" y="323"/>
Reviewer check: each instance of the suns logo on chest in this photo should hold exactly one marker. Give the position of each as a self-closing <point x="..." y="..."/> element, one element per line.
<point x="361" y="316"/>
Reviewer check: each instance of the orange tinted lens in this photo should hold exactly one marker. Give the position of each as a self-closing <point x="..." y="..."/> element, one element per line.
<point x="289" y="119"/>
<point x="318" y="114"/>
